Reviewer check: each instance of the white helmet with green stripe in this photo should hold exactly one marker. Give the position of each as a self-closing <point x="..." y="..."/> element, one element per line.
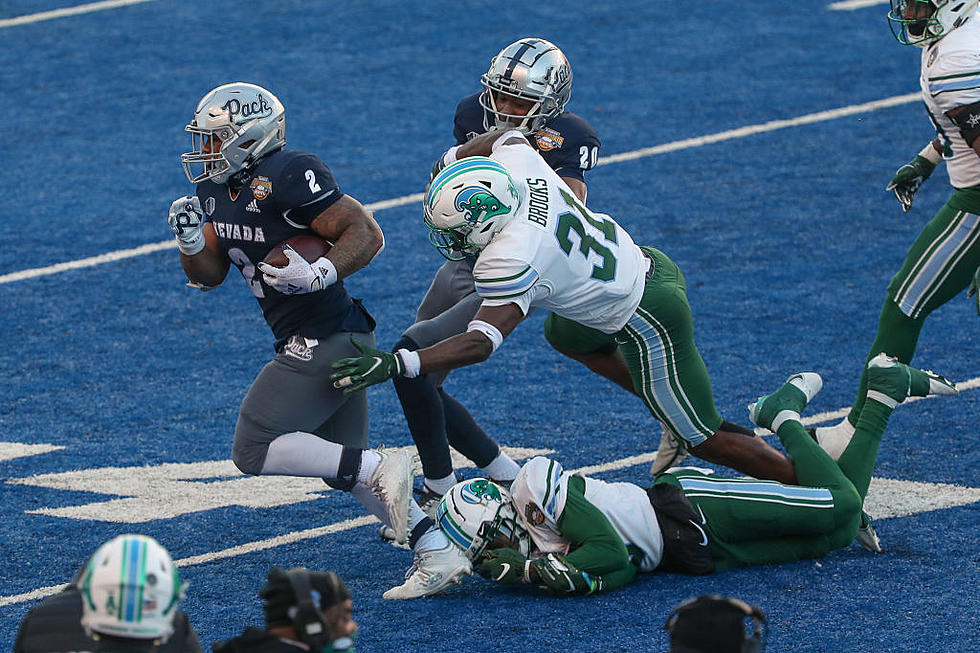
<point x="130" y="588"/>
<point x="478" y="515"/>
<point x="467" y="203"/>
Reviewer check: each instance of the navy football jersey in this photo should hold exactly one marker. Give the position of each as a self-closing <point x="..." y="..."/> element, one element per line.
<point x="567" y="142"/>
<point x="284" y="193"/>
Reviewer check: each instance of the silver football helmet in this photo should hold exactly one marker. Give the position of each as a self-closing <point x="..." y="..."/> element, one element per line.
<point x="467" y="203"/>
<point x="923" y="22"/>
<point x="244" y="121"/>
<point x="477" y="515"/>
<point x="533" y="70"/>
<point x="130" y="588"/>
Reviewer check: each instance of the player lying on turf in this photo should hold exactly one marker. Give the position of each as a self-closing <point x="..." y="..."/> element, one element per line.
<point x="537" y="245"/>
<point x="578" y="535"/>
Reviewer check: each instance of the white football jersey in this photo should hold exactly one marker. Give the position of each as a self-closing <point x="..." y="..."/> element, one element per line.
<point x="557" y="254"/>
<point x="950" y="78"/>
<point x="539" y="493"/>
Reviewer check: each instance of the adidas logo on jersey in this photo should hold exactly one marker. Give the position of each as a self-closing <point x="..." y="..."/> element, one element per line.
<point x="253" y="207"/>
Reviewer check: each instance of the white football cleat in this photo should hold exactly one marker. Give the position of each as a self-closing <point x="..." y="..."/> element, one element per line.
<point x="670" y="453"/>
<point x="392" y="483"/>
<point x="431" y="572"/>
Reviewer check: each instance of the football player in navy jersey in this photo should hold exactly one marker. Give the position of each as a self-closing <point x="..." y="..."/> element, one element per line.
<point x="527" y="87"/>
<point x="252" y="194"/>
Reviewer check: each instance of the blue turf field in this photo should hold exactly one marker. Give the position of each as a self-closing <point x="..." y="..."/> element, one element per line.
<point x="786" y="237"/>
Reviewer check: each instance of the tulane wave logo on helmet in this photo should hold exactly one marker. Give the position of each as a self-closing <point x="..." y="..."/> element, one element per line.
<point x="479" y="204"/>
<point x="479" y="491"/>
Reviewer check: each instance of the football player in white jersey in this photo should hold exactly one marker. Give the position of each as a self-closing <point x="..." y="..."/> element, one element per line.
<point x="537" y="245"/>
<point x="945" y="258"/>
<point x="572" y="534"/>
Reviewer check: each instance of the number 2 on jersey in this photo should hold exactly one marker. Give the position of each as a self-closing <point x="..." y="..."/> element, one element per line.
<point x="311" y="180"/>
<point x="569" y="222"/>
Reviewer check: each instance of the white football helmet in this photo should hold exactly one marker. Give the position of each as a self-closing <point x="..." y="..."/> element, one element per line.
<point x="247" y="120"/>
<point x="130" y="588"/>
<point x="923" y="22"/>
<point x="467" y="203"/>
<point x="531" y="69"/>
<point x="478" y="514"/>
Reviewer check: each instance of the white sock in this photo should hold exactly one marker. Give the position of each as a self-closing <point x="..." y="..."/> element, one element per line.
<point x="834" y="439"/>
<point x="441" y="485"/>
<point x="369" y="462"/>
<point x="432" y="539"/>
<point x="782" y="416"/>
<point x="502" y="468"/>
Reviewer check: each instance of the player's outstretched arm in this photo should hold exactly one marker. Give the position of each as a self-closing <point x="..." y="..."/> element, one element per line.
<point x="485" y="333"/>
<point x="483" y="144"/>
<point x="355" y="235"/>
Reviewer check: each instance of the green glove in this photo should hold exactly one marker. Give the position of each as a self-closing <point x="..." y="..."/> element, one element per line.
<point x="506" y="566"/>
<point x="974" y="285"/>
<point x="908" y="178"/>
<point x="375" y="366"/>
<point x="562" y="577"/>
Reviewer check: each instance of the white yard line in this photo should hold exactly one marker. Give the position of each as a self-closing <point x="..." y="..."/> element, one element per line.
<point x="67" y="11"/>
<point x="687" y="143"/>
<point x="850" y="5"/>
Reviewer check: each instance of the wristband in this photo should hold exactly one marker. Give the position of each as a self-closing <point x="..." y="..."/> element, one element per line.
<point x="193" y="247"/>
<point x="930" y="154"/>
<point x="450" y="156"/>
<point x="410" y="362"/>
<point x="489" y="330"/>
<point x="326" y="270"/>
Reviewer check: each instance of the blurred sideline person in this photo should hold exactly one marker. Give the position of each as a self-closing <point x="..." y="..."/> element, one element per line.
<point x="945" y="257"/>
<point x="125" y="598"/>
<point x="251" y="195"/>
<point x="572" y="534"/>
<point x="304" y="611"/>
<point x="716" y="624"/>
<point x="537" y="245"/>
<point x="527" y="86"/>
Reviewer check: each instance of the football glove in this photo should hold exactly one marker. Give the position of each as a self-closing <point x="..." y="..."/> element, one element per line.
<point x="375" y="366"/>
<point x="506" y="566"/>
<point x="974" y="286"/>
<point x="562" y="577"/>
<point x="299" y="276"/>
<point x="185" y="220"/>
<point x="909" y="178"/>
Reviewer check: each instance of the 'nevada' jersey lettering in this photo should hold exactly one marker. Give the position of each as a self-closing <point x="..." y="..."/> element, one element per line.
<point x="568" y="143"/>
<point x="539" y="493"/>
<point x="950" y="78"/>
<point x="557" y="254"/>
<point x="286" y="191"/>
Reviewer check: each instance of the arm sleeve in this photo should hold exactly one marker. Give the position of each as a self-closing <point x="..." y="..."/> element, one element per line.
<point x="596" y="547"/>
<point x="307" y="189"/>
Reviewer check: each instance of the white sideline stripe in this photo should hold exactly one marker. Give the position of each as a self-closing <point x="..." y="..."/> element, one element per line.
<point x="772" y="125"/>
<point x="934" y="496"/>
<point x="89" y="262"/>
<point x="848" y="5"/>
<point x="687" y="143"/>
<point x="67" y="11"/>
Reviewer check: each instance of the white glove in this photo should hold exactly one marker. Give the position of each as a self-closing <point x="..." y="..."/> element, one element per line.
<point x="300" y="276"/>
<point x="185" y="221"/>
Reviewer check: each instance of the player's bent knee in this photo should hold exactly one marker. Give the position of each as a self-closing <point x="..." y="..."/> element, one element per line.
<point x="406" y="342"/>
